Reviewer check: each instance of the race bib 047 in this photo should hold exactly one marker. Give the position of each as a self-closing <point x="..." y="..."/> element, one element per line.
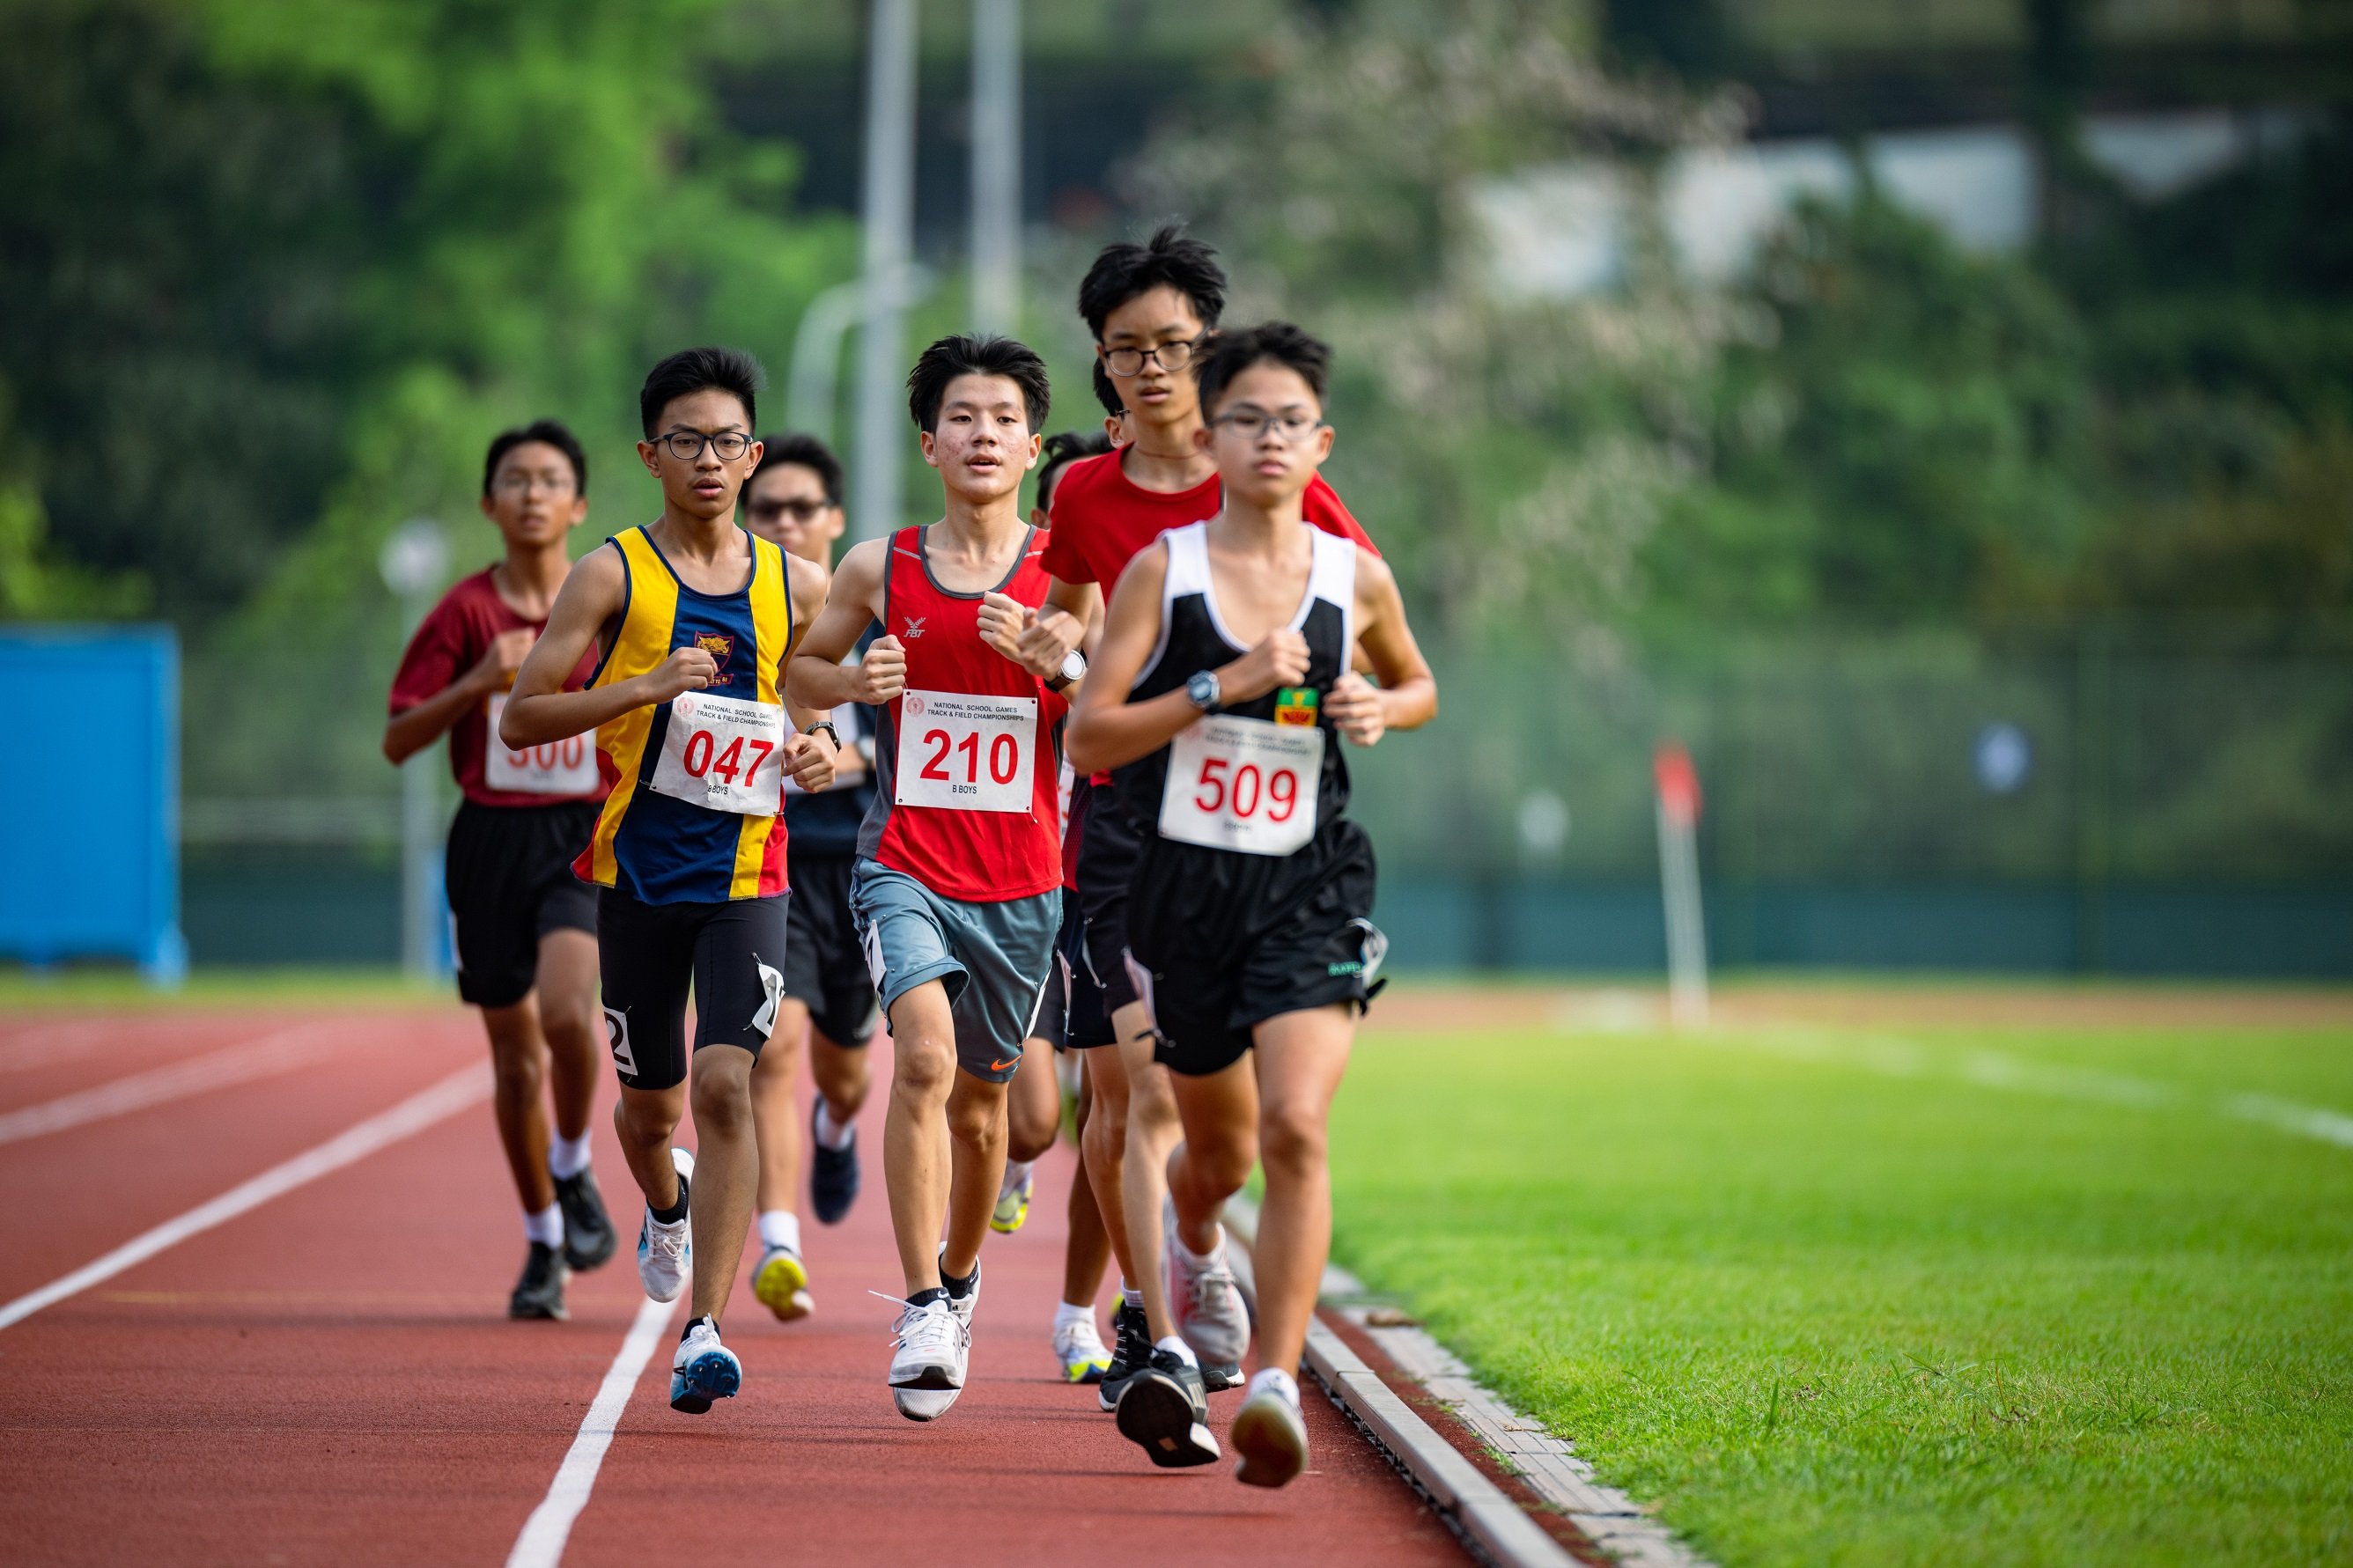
<point x="1242" y="784"/>
<point x="965" y="753"/>
<point x="567" y="767"/>
<point x="722" y="754"/>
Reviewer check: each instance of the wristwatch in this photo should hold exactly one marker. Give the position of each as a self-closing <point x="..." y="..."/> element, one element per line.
<point x="1202" y="691"/>
<point x="830" y="733"/>
<point x="1074" y="670"/>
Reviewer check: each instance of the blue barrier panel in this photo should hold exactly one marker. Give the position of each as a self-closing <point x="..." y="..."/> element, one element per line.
<point x="90" y="796"/>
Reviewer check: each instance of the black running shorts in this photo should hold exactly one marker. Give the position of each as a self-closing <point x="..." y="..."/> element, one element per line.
<point x="1107" y="855"/>
<point x="1225" y="941"/>
<point x="733" y="954"/>
<point x="1085" y="1024"/>
<point x="825" y="969"/>
<point x="509" y="879"/>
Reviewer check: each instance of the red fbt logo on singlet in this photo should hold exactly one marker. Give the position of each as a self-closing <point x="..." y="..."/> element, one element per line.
<point x="968" y="753"/>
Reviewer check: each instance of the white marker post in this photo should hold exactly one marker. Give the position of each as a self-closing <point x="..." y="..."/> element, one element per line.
<point x="1678" y="783"/>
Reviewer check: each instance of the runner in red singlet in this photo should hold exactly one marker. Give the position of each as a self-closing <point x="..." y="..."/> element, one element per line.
<point x="958" y="889"/>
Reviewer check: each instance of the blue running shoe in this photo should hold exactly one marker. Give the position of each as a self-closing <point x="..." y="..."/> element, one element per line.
<point x="703" y="1370"/>
<point x="833" y="1179"/>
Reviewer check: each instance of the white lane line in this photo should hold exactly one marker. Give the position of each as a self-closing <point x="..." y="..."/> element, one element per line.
<point x="2309" y="1121"/>
<point x="280" y="1052"/>
<point x="1995" y="1070"/>
<point x="541" y="1544"/>
<point x="412" y="1115"/>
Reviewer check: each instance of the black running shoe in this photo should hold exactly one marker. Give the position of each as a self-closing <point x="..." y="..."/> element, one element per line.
<point x="540" y="1292"/>
<point x="1164" y="1411"/>
<point x="588" y="1236"/>
<point x="1219" y="1376"/>
<point x="833" y="1178"/>
<point x="1131" y="1353"/>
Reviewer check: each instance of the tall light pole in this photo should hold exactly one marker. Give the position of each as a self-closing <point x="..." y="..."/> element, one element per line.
<point x="415" y="560"/>
<point x="996" y="165"/>
<point x="890" y="216"/>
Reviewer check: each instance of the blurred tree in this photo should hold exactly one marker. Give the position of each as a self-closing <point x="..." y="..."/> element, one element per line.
<point x="1510" y="453"/>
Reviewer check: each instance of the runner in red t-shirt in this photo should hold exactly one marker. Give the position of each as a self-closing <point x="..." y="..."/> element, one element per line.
<point x="1150" y="308"/>
<point x="525" y="927"/>
<point x="958" y="887"/>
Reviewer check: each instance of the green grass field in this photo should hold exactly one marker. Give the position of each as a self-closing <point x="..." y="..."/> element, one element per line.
<point x="1830" y="1294"/>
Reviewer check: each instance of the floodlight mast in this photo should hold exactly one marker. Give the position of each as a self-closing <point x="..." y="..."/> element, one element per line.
<point x="890" y="222"/>
<point x="997" y="166"/>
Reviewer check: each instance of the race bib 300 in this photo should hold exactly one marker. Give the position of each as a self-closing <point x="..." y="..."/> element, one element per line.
<point x="567" y="767"/>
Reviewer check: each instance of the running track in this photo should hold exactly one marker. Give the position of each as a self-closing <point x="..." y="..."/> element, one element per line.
<point x="328" y="1377"/>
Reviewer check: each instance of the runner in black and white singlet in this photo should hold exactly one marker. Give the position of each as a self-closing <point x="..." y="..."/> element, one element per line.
<point x="1219" y="697"/>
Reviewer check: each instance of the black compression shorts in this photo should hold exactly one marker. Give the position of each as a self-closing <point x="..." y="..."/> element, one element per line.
<point x="1225" y="941"/>
<point x="733" y="954"/>
<point x="825" y="969"/>
<point x="508" y="876"/>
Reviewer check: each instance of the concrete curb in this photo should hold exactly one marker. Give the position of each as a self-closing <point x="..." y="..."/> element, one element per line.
<point x="1480" y="1511"/>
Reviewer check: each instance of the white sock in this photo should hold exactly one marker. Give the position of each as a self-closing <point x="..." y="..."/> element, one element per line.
<point x="1182" y="1350"/>
<point x="1016" y="1173"/>
<point x="1132" y="1298"/>
<point x="833" y="1134"/>
<point x="1203" y="1257"/>
<point x="1275" y="1378"/>
<point x="546" y="1226"/>
<point x="780" y="1228"/>
<point x="567" y="1157"/>
<point x="1065" y="1315"/>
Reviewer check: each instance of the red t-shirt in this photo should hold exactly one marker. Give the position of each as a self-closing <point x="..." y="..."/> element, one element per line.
<point x="1103" y="520"/>
<point x="451" y="641"/>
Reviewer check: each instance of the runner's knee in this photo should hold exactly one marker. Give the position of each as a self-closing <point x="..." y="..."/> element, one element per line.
<point x="1292" y="1138"/>
<point x="924" y="1071"/>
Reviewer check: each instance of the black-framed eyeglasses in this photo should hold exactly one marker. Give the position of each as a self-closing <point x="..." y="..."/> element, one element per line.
<point x="1250" y="424"/>
<point x="687" y="445"/>
<point x="1168" y="356"/>
<point x="802" y="510"/>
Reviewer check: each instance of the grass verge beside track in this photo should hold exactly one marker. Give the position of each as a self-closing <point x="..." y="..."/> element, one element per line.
<point x="1829" y="1298"/>
<point x="82" y="987"/>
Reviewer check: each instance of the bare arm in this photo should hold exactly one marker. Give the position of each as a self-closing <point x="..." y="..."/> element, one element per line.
<point x="1061" y="626"/>
<point x="817" y="675"/>
<point x="592" y="597"/>
<point x="807" y="758"/>
<point x="420" y="724"/>
<point x="1406" y="698"/>
<point x="1106" y="729"/>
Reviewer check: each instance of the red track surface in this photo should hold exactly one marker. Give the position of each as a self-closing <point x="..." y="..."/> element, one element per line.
<point x="330" y="1378"/>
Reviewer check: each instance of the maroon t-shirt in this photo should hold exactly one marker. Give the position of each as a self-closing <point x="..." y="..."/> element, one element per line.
<point x="1103" y="520"/>
<point x="451" y="641"/>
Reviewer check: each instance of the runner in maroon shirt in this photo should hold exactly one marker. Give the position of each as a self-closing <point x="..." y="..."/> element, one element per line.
<point x="525" y="927"/>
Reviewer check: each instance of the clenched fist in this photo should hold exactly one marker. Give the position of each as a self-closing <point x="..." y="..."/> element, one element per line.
<point x="883" y="673"/>
<point x="1280" y="660"/>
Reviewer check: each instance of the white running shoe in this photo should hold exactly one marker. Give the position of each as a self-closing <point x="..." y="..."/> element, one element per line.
<point x="927" y="1363"/>
<point x="1270" y="1434"/>
<point x="1210" y="1314"/>
<point x="1013" y="1198"/>
<point x="1082" y="1352"/>
<point x="702" y="1369"/>
<point x="666" y="1252"/>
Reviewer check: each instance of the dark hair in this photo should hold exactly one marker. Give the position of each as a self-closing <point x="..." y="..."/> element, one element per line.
<point x="1106" y="392"/>
<point x="803" y="452"/>
<point x="967" y="354"/>
<point x="690" y="370"/>
<point x="1063" y="448"/>
<point x="1168" y="258"/>
<point x="548" y="432"/>
<point x="1230" y="353"/>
